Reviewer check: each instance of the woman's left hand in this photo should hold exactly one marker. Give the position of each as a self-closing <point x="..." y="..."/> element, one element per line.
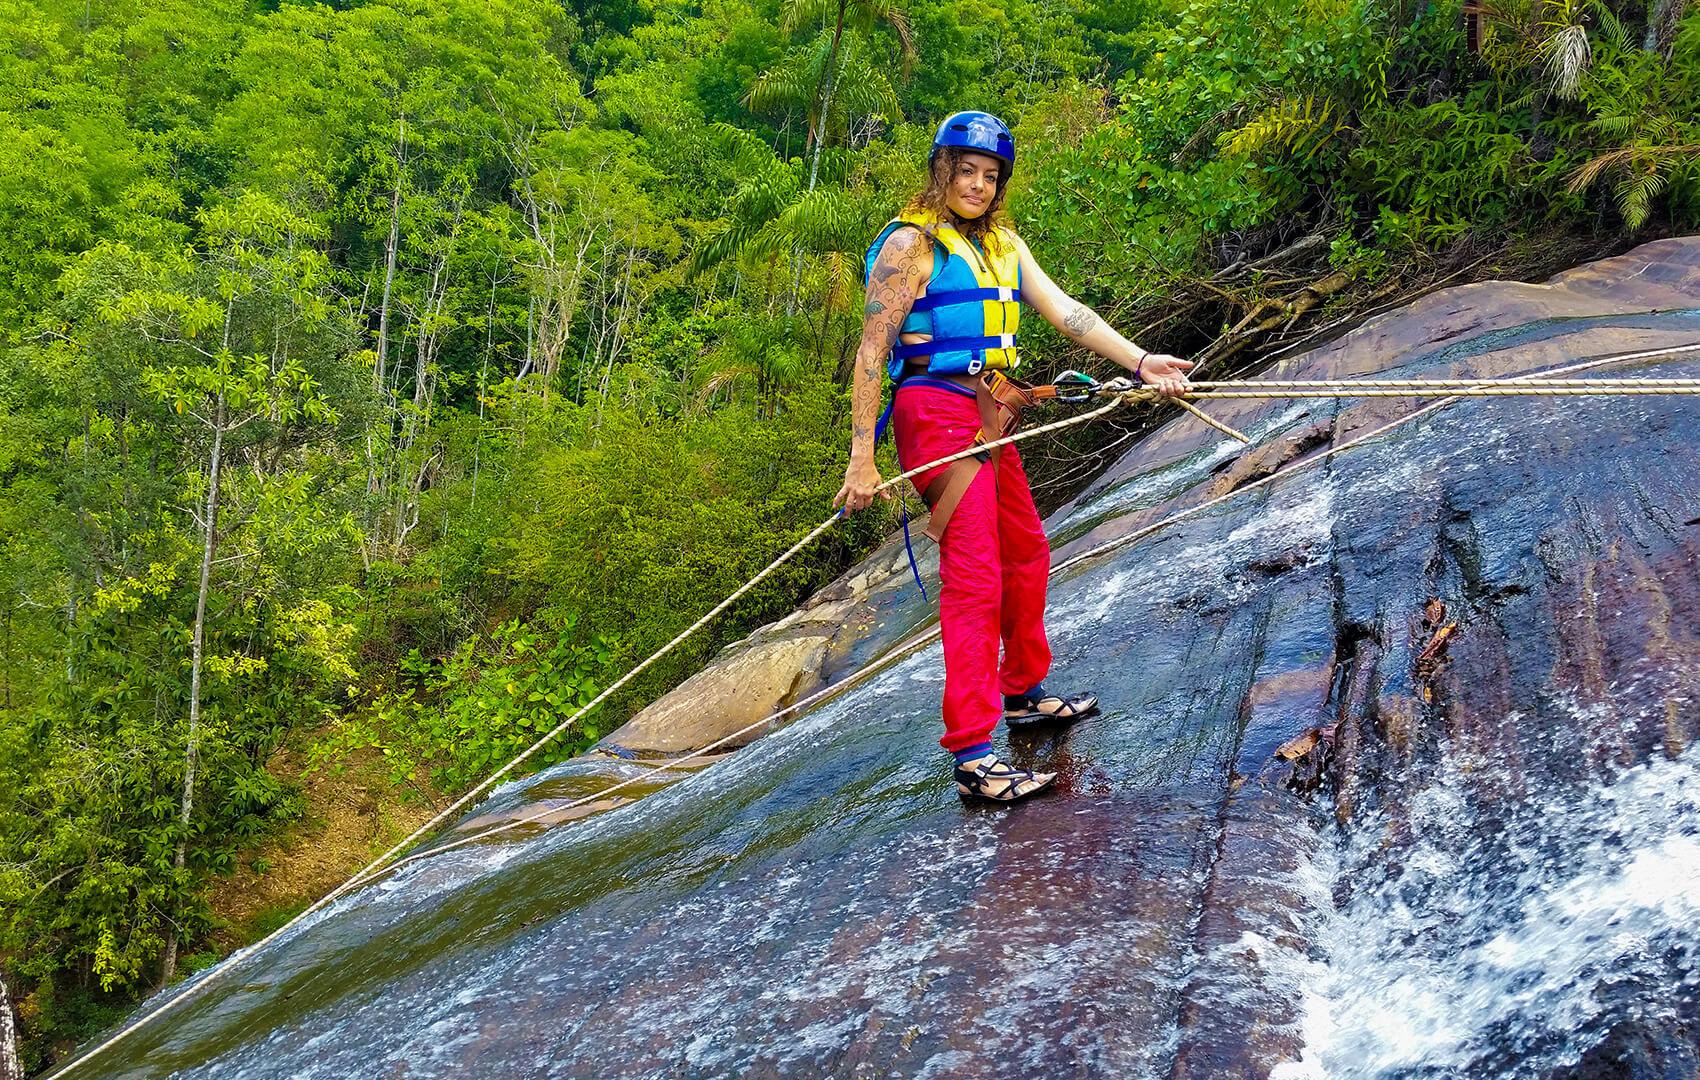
<point x="1165" y="374"/>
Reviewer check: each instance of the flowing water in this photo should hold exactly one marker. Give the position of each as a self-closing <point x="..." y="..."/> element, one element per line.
<point x="1506" y="885"/>
<point x="1507" y="940"/>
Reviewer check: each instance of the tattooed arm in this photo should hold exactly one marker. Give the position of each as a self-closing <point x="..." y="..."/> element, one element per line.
<point x="899" y="274"/>
<point x="1167" y="374"/>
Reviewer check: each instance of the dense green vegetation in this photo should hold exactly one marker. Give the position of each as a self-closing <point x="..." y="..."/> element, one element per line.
<point x="383" y="378"/>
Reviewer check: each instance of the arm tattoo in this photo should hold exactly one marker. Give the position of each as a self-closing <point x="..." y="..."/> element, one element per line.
<point x="889" y="290"/>
<point x="890" y="294"/>
<point x="1079" y="321"/>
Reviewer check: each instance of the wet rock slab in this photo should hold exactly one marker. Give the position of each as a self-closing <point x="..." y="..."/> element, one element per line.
<point x="1436" y="885"/>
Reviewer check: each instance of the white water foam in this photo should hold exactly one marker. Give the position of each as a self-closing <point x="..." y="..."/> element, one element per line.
<point x="1511" y="938"/>
<point x="1298" y="522"/>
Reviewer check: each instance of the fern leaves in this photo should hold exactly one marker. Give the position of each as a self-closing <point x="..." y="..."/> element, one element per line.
<point x="1642" y="105"/>
<point x="1298" y="127"/>
<point x="1642" y="175"/>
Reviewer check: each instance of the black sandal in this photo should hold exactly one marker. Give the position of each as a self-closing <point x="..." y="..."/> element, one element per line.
<point x="973" y="783"/>
<point x="1038" y="705"/>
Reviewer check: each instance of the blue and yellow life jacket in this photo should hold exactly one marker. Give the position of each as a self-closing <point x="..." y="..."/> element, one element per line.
<point x="971" y="307"/>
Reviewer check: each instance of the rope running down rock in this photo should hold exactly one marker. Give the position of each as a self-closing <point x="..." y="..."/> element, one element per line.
<point x="927" y="636"/>
<point x="1449" y="390"/>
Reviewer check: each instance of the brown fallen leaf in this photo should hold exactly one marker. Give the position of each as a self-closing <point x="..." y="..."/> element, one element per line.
<point x="1437" y="644"/>
<point x="1300" y="745"/>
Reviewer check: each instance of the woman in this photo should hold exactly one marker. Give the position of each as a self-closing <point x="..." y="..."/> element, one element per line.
<point x="945" y="284"/>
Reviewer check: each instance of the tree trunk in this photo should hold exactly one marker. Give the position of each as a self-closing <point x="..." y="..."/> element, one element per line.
<point x="191" y="757"/>
<point x="71" y="625"/>
<point x="483" y="367"/>
<point x="380" y="366"/>
<point x="11" y="1068"/>
<point x="618" y="335"/>
<point x="814" y="164"/>
<point x="390" y="253"/>
<point x="418" y="419"/>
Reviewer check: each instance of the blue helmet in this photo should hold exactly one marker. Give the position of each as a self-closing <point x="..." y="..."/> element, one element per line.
<point x="978" y="131"/>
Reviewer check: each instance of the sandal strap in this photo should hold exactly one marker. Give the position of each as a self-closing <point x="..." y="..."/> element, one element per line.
<point x="1028" y="699"/>
<point x="989" y="770"/>
<point x="1058" y="706"/>
<point x="976" y="779"/>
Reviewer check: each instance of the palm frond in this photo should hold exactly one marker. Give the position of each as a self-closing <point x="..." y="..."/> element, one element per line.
<point x="1567" y="55"/>
<point x="908" y="53"/>
<point x="728" y="376"/>
<point x="722" y="246"/>
<point x="858" y="15"/>
<point x="836" y="165"/>
<point x="1591" y="170"/>
<point x="824" y="221"/>
<point x="795" y="14"/>
<point x="861" y="90"/>
<point x="747" y="152"/>
<point x="788" y="86"/>
<point x="1644" y="173"/>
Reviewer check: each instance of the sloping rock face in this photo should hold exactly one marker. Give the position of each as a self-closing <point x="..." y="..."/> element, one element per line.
<point x="821" y="642"/>
<point x="1393" y="780"/>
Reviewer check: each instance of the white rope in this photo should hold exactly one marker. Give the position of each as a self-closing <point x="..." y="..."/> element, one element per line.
<point x="1611" y="390"/>
<point x="1140" y="534"/>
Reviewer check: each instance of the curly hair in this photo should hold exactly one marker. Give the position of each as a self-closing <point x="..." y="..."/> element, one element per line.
<point x="932" y="198"/>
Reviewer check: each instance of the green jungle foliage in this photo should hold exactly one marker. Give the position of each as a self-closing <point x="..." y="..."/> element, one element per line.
<point x="384" y="379"/>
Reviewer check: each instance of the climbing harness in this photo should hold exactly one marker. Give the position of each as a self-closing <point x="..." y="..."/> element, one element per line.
<point x="1448" y="390"/>
<point x="1000" y="401"/>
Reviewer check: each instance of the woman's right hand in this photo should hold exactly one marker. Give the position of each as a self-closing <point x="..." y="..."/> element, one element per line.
<point x="861" y="481"/>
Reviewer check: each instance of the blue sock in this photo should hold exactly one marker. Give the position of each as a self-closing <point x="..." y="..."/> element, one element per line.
<point x="978" y="750"/>
<point x="1011" y="701"/>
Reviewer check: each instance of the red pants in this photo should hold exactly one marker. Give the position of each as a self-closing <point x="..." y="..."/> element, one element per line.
<point x="994" y="563"/>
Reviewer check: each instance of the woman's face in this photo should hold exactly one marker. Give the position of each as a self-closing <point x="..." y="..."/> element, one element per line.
<point x="973" y="186"/>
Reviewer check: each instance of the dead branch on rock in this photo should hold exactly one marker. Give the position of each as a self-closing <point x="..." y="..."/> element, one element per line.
<point x="1269" y="313"/>
<point x="1302" y="246"/>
